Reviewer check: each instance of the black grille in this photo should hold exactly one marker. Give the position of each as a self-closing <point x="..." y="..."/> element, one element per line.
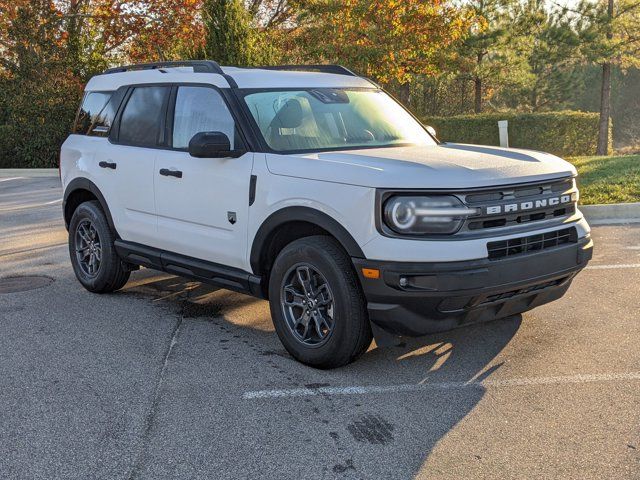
<point x="516" y="194"/>
<point x="512" y="220"/>
<point x="531" y="243"/>
<point x="522" y="192"/>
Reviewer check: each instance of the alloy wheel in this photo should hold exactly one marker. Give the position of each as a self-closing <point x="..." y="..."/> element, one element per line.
<point x="307" y="304"/>
<point x="88" y="248"/>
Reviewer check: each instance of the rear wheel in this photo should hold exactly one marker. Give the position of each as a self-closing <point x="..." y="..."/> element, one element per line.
<point x="91" y="248"/>
<point x="317" y="305"/>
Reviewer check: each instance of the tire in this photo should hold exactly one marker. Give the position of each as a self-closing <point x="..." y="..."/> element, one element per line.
<point x="338" y="332"/>
<point x="107" y="273"/>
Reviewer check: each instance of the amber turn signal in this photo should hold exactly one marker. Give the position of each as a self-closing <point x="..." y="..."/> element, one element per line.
<point x="371" y="273"/>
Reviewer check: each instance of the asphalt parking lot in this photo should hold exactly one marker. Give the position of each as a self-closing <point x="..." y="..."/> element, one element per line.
<point x="172" y="379"/>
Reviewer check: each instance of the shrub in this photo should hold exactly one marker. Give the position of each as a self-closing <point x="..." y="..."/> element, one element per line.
<point x="564" y="133"/>
<point x="35" y="118"/>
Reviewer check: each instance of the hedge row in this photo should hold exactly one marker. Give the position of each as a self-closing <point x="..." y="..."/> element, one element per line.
<point x="564" y="133"/>
<point x="36" y="114"/>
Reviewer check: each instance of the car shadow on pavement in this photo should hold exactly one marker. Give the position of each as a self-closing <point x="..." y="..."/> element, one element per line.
<point x="443" y="362"/>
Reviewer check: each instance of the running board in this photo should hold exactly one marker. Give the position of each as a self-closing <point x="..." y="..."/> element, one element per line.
<point x="184" y="266"/>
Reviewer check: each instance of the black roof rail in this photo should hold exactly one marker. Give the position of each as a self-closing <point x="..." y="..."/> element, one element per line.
<point x="199" y="66"/>
<point x="337" y="69"/>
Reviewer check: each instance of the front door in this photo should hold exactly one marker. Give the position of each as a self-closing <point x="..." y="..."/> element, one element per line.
<point x="202" y="204"/>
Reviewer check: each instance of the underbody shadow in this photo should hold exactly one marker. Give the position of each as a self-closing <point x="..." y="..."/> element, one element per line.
<point x="443" y="362"/>
<point x="446" y="361"/>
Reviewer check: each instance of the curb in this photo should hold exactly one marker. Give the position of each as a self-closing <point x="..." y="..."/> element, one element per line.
<point x="28" y="172"/>
<point x="616" y="213"/>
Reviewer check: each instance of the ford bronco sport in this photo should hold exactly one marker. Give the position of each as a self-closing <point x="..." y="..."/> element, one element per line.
<point x="312" y="188"/>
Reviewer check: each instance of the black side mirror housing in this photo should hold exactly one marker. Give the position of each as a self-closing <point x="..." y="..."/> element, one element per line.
<point x="212" y="145"/>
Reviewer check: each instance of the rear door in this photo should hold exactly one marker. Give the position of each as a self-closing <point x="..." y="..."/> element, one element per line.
<point x="129" y="160"/>
<point x="203" y="211"/>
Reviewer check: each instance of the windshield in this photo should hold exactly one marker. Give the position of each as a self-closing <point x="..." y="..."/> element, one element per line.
<point x="332" y="118"/>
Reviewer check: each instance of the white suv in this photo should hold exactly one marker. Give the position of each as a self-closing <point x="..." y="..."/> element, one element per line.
<point x="311" y="187"/>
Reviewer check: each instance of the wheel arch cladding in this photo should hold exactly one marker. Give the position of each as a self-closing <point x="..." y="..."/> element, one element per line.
<point x="306" y="221"/>
<point x="81" y="190"/>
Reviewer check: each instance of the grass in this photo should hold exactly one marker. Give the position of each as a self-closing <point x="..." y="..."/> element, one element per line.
<point x="608" y="179"/>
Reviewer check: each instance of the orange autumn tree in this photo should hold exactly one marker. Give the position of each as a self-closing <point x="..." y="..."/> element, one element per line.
<point x="48" y="49"/>
<point x="94" y="33"/>
<point x="388" y="40"/>
<point x="117" y="30"/>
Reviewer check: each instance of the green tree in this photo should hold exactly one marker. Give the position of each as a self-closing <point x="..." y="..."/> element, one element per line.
<point x="610" y="34"/>
<point x="483" y="54"/>
<point x="38" y="92"/>
<point x="551" y="47"/>
<point x="231" y="38"/>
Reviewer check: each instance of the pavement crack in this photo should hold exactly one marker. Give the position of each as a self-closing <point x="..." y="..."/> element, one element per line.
<point x="149" y="420"/>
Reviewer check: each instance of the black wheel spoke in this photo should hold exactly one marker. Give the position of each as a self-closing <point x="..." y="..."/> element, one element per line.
<point x="304" y="277"/>
<point x="292" y="298"/>
<point x="320" y="323"/>
<point x="84" y="234"/>
<point x="323" y="296"/>
<point x="303" y="321"/>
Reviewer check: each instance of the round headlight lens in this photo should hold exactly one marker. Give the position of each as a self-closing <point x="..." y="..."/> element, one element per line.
<point x="426" y="215"/>
<point x="403" y="214"/>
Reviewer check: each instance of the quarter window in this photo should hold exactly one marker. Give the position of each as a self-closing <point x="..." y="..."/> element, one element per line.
<point x="142" y="116"/>
<point x="96" y="114"/>
<point x="200" y="109"/>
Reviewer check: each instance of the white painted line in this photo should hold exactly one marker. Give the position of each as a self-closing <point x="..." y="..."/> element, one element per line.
<point x="25" y="207"/>
<point x="619" y="265"/>
<point x="10" y="178"/>
<point x="372" y="389"/>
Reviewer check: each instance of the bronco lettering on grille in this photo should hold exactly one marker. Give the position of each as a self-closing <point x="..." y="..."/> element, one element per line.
<point x="531" y="205"/>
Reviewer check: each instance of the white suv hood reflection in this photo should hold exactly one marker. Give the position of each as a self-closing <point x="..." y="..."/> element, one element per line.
<point x="446" y="166"/>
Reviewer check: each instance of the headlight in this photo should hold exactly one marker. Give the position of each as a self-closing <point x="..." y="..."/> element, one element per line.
<point x="426" y="215"/>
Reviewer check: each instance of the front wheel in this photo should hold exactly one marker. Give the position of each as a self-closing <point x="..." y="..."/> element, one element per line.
<point x="317" y="306"/>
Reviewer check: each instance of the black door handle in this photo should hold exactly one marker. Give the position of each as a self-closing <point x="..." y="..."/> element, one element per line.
<point x="170" y="173"/>
<point x="110" y="165"/>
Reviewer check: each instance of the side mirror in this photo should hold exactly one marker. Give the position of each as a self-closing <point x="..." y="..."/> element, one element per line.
<point x="431" y="131"/>
<point x="212" y="145"/>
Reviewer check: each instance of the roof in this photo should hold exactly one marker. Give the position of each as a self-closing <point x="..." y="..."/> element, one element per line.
<point x="264" y="78"/>
<point x="243" y="77"/>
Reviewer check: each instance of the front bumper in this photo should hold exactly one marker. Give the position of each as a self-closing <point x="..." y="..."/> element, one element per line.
<point x="440" y="296"/>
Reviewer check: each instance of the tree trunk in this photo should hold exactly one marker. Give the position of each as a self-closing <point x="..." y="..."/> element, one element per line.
<point x="477" y="103"/>
<point x="605" y="96"/>
<point x="477" y="86"/>
<point x="605" y="111"/>
<point x="404" y="93"/>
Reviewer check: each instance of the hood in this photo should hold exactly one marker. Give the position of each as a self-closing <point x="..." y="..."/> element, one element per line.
<point x="446" y="166"/>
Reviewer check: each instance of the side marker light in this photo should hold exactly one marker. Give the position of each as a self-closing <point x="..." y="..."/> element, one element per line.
<point x="373" y="273"/>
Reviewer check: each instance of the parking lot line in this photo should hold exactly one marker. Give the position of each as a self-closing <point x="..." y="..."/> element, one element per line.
<point x="372" y="389"/>
<point x="25" y="207"/>
<point x="10" y="178"/>
<point x="613" y="266"/>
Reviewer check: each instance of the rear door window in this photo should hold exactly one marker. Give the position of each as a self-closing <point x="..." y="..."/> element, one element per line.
<point x="143" y="116"/>
<point x="96" y="114"/>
